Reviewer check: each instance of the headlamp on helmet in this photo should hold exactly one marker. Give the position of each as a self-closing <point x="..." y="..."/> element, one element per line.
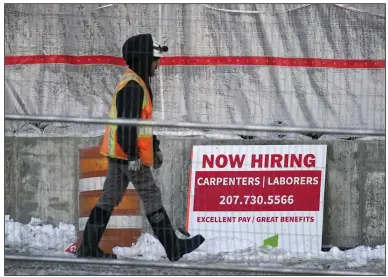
<point x="158" y="50"/>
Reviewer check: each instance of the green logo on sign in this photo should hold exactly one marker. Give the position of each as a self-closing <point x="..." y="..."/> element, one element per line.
<point x="271" y="241"/>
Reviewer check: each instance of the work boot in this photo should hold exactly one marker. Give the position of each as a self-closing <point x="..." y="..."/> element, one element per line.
<point x="163" y="230"/>
<point x="94" y="229"/>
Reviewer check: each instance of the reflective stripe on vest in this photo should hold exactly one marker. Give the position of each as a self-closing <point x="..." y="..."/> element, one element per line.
<point x="110" y="146"/>
<point x="144" y="131"/>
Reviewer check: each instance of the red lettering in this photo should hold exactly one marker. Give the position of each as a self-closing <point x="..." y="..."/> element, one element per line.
<point x="293" y="219"/>
<point x="296" y="160"/>
<point x="266" y="160"/>
<point x="285" y="160"/>
<point x="279" y="160"/>
<point x="256" y="161"/>
<point x="221" y="161"/>
<point x="236" y="159"/>
<point x="209" y="161"/>
<point x="309" y="160"/>
<point x="276" y="160"/>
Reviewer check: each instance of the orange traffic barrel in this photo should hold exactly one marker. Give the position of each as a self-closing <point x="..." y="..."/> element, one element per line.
<point x="125" y="225"/>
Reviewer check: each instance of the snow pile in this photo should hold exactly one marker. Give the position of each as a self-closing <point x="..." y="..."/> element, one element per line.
<point x="45" y="239"/>
<point x="337" y="259"/>
<point x="36" y="237"/>
<point x="229" y="250"/>
<point x="147" y="248"/>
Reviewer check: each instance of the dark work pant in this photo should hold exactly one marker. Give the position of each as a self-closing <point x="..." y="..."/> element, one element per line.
<point x="117" y="180"/>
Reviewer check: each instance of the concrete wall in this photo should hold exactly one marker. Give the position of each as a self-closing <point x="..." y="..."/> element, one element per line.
<point x="41" y="178"/>
<point x="41" y="181"/>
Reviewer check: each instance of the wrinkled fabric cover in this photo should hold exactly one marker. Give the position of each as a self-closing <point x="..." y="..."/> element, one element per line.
<point x="307" y="97"/>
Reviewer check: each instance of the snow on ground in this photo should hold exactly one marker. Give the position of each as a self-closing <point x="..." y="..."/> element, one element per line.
<point x="38" y="238"/>
<point x="231" y="251"/>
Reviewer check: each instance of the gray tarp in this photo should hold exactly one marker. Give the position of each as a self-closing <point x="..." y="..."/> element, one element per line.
<point x="314" y="97"/>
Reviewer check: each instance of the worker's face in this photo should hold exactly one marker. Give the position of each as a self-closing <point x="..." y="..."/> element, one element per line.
<point x="154" y="66"/>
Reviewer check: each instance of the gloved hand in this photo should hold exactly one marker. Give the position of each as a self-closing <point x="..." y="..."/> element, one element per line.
<point x="134" y="165"/>
<point x="158" y="159"/>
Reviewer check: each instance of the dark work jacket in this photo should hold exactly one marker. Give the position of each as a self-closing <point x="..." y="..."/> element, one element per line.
<point x="129" y="102"/>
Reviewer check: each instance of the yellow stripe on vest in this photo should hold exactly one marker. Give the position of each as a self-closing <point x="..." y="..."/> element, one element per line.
<point x="144" y="131"/>
<point x="110" y="146"/>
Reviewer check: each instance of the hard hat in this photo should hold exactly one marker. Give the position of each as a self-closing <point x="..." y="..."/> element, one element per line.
<point x="159" y="49"/>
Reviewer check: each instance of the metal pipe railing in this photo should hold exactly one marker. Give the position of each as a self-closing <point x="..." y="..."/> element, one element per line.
<point x="193" y="125"/>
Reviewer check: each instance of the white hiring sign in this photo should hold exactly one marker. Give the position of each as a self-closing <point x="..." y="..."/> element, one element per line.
<point x="271" y="195"/>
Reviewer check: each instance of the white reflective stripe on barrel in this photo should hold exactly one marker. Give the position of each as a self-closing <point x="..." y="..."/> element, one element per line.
<point x="117" y="222"/>
<point x="95" y="183"/>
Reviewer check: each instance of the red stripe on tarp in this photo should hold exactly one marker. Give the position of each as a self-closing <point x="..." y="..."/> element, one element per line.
<point x="199" y="61"/>
<point x="64" y="59"/>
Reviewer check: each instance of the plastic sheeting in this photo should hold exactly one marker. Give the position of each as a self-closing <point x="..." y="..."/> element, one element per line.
<point x="308" y="97"/>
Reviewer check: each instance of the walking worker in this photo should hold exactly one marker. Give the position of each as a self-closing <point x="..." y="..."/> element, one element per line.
<point x="131" y="152"/>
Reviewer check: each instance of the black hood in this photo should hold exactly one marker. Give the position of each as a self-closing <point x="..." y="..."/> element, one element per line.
<point x="138" y="54"/>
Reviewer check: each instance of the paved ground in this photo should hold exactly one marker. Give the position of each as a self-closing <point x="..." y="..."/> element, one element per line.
<point x="51" y="268"/>
<point x="48" y="268"/>
<point x="254" y="259"/>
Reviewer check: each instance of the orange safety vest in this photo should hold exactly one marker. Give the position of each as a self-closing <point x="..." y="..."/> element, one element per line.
<point x="110" y="146"/>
